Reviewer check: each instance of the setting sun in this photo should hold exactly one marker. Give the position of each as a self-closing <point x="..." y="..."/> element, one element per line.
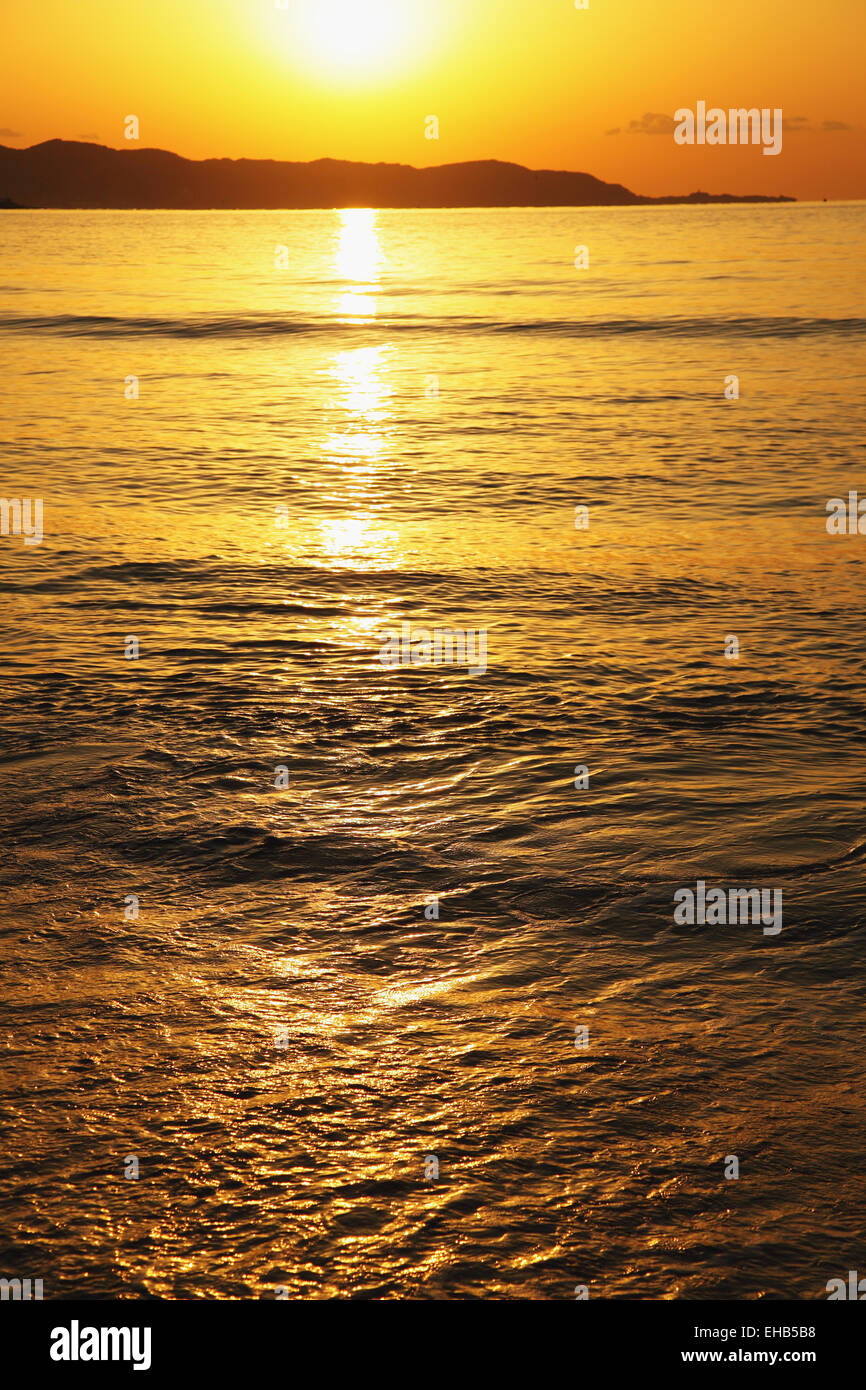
<point x="355" y="34"/>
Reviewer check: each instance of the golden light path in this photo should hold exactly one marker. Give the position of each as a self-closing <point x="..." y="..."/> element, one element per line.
<point x="360" y="405"/>
<point x="358" y="258"/>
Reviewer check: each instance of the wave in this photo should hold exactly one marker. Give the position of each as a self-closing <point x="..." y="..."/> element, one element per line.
<point x="263" y="325"/>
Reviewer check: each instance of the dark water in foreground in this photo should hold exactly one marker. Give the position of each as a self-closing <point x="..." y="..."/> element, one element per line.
<point x="396" y="426"/>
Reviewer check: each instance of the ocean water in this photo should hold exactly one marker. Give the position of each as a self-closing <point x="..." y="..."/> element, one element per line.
<point x="261" y="440"/>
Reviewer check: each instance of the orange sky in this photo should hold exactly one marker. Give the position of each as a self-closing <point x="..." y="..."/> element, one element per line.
<point x="535" y="81"/>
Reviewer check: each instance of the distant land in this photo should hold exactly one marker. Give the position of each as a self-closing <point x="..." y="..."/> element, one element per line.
<point x="73" y="174"/>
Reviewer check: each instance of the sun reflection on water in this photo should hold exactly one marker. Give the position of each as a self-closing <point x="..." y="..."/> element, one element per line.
<point x="361" y="402"/>
<point x="359" y="542"/>
<point x="358" y="258"/>
<point x="359" y="412"/>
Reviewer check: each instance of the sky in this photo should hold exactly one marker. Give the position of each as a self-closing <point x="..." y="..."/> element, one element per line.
<point x="538" y="82"/>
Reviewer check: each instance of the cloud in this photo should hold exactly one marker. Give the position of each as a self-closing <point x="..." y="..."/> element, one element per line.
<point x="794" y="125"/>
<point x="616" y="131"/>
<point x="10" y="134"/>
<point x="652" y="123"/>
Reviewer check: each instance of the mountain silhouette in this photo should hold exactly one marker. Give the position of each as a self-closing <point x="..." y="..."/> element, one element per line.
<point x="75" y="174"/>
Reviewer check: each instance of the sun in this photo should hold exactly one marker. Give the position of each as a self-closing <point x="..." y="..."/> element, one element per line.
<point x="355" y="35"/>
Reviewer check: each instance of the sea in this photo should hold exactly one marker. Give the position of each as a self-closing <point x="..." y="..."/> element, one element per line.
<point x="333" y="975"/>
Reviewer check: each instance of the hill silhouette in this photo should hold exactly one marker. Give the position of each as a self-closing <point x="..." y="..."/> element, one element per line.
<point x="76" y="174"/>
